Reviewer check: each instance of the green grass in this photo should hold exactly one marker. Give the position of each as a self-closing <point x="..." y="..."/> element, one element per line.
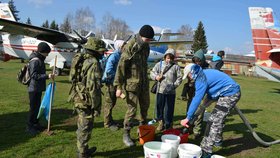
<point x="259" y="102"/>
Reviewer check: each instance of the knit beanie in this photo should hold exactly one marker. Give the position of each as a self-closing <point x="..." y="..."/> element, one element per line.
<point x="200" y="54"/>
<point x="147" y="31"/>
<point x="43" y="47"/>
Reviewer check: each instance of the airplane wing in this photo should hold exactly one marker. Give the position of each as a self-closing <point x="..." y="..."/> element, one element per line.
<point x="171" y="42"/>
<point x="41" y="33"/>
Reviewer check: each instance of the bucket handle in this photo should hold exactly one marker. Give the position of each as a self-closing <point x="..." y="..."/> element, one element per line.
<point x="144" y="134"/>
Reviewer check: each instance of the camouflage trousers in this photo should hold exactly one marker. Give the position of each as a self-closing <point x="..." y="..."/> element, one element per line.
<point x="214" y="127"/>
<point x="132" y="99"/>
<point x="85" y="126"/>
<point x="110" y="102"/>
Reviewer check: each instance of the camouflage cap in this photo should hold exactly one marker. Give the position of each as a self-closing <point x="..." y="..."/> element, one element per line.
<point x="95" y="44"/>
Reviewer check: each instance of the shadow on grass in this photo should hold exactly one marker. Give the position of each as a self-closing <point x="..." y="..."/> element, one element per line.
<point x="13" y="126"/>
<point x="136" y="151"/>
<point x="276" y="90"/>
<point x="235" y="145"/>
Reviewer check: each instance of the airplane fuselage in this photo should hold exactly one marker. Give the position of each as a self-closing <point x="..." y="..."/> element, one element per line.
<point x="21" y="46"/>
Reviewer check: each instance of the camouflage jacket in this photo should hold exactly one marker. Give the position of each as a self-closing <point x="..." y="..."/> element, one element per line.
<point x="87" y="91"/>
<point x="131" y="74"/>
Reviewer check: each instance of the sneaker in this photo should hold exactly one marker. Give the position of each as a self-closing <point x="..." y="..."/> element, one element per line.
<point x="205" y="154"/>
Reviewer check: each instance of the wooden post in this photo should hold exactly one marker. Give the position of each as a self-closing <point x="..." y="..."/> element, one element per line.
<point x="51" y="99"/>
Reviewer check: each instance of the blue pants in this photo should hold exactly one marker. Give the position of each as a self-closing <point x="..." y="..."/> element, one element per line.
<point x="165" y="108"/>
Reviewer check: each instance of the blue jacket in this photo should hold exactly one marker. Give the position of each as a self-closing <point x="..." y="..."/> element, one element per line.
<point x="215" y="84"/>
<point x="111" y="67"/>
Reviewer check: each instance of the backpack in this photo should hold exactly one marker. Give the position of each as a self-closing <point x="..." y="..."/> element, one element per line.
<point x="23" y="75"/>
<point x="76" y="67"/>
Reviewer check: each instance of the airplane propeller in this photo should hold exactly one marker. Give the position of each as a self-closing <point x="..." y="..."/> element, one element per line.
<point x="83" y="39"/>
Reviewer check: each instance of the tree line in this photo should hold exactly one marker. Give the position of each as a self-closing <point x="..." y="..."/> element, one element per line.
<point x="83" y="21"/>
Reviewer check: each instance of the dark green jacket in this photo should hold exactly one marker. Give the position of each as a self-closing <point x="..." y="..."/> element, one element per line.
<point x="131" y="74"/>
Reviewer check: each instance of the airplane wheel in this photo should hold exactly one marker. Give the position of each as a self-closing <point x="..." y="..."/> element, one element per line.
<point x="57" y="71"/>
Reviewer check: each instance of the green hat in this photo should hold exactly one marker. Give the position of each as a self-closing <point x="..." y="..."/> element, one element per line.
<point x="200" y="54"/>
<point x="95" y="44"/>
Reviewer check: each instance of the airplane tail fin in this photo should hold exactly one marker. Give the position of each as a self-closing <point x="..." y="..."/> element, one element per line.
<point x="5" y="12"/>
<point x="265" y="31"/>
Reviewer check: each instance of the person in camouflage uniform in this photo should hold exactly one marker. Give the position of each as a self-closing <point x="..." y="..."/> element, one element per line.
<point x="108" y="79"/>
<point x="132" y="78"/>
<point x="86" y="92"/>
<point x="219" y="87"/>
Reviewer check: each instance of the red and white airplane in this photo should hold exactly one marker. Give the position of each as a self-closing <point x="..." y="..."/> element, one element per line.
<point x="20" y="40"/>
<point x="266" y="38"/>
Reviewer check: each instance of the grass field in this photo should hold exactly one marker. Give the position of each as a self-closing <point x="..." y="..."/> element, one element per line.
<point x="259" y="102"/>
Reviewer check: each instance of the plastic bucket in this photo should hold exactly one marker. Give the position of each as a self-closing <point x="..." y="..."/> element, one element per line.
<point x="146" y="133"/>
<point x="184" y="137"/>
<point x="174" y="141"/>
<point x="188" y="150"/>
<point x="156" y="149"/>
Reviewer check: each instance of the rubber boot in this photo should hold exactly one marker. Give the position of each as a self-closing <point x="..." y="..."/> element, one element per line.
<point x="127" y="139"/>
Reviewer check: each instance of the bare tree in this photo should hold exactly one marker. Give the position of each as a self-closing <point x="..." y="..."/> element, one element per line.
<point x="112" y="27"/>
<point x="84" y="21"/>
<point x="187" y="32"/>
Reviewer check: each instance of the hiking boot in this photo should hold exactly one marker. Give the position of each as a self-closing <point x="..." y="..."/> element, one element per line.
<point x="113" y="127"/>
<point x="88" y="153"/>
<point x="205" y="154"/>
<point x="32" y="131"/>
<point x="160" y="126"/>
<point x="218" y="144"/>
<point x="127" y="140"/>
<point x="141" y="123"/>
<point x="197" y="136"/>
<point x="38" y="127"/>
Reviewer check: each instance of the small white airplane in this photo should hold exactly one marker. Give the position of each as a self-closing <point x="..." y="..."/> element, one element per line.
<point x="20" y="40"/>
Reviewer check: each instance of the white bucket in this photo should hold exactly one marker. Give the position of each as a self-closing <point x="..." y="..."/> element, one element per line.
<point x="156" y="149"/>
<point x="217" y="156"/>
<point x="174" y="141"/>
<point x="187" y="150"/>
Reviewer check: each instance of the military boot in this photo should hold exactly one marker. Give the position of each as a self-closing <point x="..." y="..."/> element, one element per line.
<point x="127" y="139"/>
<point x="89" y="152"/>
<point x="160" y="125"/>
